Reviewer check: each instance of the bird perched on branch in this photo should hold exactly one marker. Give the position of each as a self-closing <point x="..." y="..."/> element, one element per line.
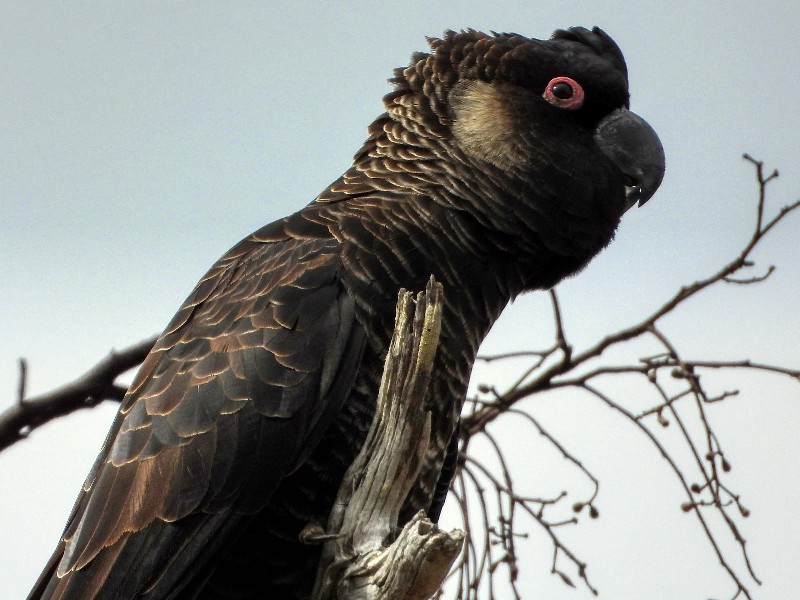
<point x="502" y="164"/>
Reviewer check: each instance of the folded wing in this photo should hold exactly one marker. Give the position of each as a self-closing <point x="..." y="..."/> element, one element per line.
<point x="233" y="397"/>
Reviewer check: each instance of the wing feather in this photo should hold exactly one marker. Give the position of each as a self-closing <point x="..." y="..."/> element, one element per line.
<point x="233" y="397"/>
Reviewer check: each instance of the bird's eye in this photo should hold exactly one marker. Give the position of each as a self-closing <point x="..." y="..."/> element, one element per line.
<point x="564" y="92"/>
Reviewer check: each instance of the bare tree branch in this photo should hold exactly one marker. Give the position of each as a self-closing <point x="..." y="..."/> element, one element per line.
<point x="569" y="362"/>
<point x="675" y="380"/>
<point x="358" y="561"/>
<point x="86" y="391"/>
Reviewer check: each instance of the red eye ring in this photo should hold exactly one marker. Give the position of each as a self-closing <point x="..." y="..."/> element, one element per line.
<point x="564" y="92"/>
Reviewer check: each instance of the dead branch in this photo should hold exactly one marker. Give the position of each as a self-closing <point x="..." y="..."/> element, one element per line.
<point x="88" y="390"/>
<point x="358" y="561"/>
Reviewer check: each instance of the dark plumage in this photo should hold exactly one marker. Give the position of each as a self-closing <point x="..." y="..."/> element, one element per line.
<point x="502" y="164"/>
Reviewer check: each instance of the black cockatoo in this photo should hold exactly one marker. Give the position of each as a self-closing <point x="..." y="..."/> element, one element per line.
<point x="502" y="164"/>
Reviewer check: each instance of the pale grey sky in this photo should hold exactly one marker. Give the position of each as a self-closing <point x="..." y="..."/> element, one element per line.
<point x="140" y="140"/>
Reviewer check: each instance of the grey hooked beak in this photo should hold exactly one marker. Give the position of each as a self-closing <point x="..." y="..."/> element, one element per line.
<point x="629" y="141"/>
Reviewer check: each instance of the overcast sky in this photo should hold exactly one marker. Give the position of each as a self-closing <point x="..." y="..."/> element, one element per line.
<point x="139" y="141"/>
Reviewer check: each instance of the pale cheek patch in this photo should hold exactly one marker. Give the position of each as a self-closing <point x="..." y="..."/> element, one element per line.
<point x="483" y="126"/>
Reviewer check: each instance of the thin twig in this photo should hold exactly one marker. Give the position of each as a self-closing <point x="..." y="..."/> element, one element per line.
<point x="570" y="371"/>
